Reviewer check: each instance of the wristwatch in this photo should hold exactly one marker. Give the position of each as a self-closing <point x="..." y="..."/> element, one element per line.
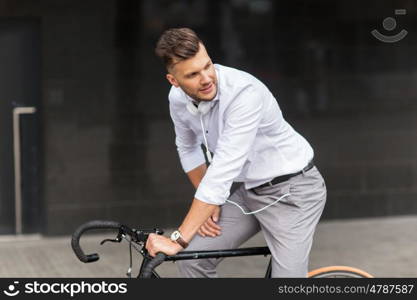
<point x="177" y="237"/>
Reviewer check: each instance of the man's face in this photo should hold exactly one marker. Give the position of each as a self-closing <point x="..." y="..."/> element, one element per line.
<point x="196" y="76"/>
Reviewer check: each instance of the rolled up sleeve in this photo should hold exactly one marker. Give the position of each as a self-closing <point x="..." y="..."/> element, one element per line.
<point x="242" y="118"/>
<point x="188" y="147"/>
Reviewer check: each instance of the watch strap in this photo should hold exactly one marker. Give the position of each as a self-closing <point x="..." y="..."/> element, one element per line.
<point x="182" y="243"/>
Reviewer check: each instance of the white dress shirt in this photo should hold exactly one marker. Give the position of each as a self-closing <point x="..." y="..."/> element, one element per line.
<point x="245" y="129"/>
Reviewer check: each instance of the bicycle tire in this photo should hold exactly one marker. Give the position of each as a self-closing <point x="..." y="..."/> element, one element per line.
<point x="338" y="272"/>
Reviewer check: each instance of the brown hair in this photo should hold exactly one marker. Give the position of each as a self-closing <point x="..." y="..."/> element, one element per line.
<point x="177" y="44"/>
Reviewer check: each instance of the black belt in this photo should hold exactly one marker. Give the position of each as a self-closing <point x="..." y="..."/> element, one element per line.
<point x="283" y="178"/>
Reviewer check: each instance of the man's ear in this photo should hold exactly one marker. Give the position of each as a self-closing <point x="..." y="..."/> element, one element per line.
<point x="172" y="80"/>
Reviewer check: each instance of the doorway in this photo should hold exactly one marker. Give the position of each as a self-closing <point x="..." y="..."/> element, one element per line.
<point x="20" y="87"/>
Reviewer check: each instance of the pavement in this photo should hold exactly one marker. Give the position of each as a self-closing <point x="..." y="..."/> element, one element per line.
<point x="384" y="247"/>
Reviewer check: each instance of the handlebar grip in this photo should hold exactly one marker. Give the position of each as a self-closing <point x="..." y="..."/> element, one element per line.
<point x="75" y="240"/>
<point x="152" y="264"/>
<point x="92" y="257"/>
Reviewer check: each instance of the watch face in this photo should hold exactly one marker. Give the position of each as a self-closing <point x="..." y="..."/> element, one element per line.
<point x="175" y="235"/>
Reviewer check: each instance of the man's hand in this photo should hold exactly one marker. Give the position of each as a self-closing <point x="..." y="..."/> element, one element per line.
<point x="210" y="228"/>
<point x="159" y="243"/>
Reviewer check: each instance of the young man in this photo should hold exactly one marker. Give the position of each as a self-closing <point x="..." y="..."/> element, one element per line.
<point x="279" y="190"/>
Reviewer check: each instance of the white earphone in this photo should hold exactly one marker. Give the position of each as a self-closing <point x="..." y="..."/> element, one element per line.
<point x="202" y="107"/>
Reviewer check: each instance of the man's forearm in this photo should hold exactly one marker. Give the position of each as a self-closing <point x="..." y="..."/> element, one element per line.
<point x="197" y="174"/>
<point x="199" y="211"/>
<point x="198" y="214"/>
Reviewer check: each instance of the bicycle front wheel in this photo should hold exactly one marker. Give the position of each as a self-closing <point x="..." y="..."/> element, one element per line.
<point x="339" y="272"/>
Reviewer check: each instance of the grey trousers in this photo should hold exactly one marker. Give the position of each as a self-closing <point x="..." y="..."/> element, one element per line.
<point x="288" y="226"/>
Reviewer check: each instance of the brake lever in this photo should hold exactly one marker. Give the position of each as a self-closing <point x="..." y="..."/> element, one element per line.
<point x="118" y="239"/>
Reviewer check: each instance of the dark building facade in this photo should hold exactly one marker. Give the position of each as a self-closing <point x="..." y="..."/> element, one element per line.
<point x="100" y="144"/>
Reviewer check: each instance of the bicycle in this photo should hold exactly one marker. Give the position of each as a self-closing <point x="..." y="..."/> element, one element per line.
<point x="137" y="238"/>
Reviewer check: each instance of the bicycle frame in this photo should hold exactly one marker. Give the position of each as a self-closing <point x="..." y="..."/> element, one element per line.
<point x="184" y="255"/>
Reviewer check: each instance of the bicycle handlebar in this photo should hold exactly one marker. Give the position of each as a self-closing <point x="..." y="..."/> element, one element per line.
<point x="152" y="264"/>
<point x="75" y="240"/>
<point x="136" y="236"/>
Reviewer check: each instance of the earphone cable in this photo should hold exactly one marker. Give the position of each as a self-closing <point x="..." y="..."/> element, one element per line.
<point x="261" y="209"/>
<point x="209" y="158"/>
